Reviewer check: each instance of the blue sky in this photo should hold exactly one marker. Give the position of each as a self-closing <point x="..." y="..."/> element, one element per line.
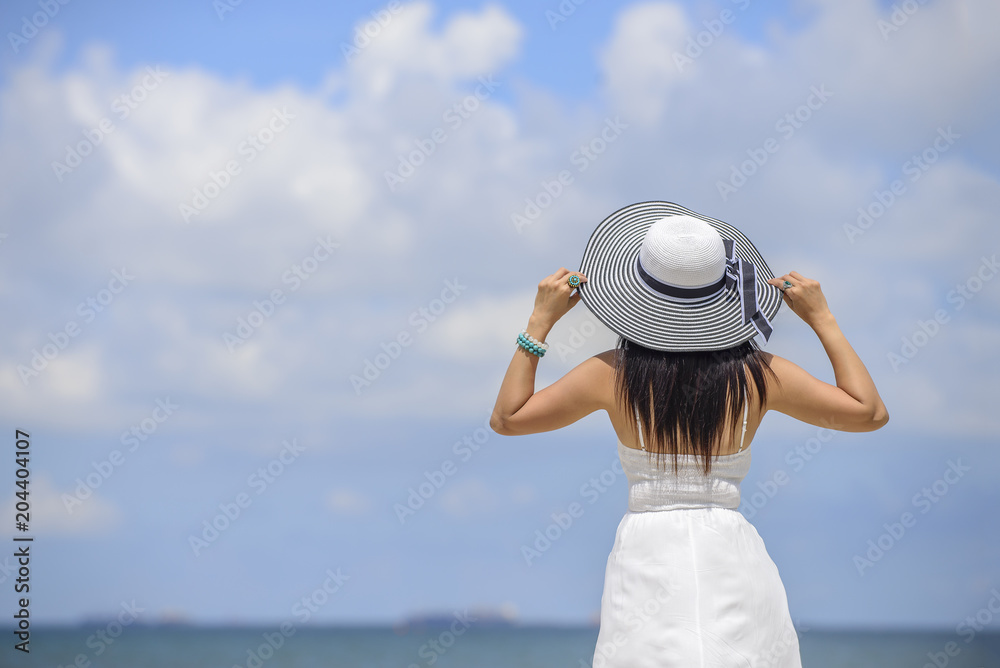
<point x="259" y="123"/>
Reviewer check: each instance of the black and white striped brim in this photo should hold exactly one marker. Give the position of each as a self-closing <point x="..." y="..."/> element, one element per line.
<point x="617" y="297"/>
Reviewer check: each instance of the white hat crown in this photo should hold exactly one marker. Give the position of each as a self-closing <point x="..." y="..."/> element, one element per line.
<point x="683" y="251"/>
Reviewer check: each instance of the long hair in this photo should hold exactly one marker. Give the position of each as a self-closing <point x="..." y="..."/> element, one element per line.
<point x="688" y="393"/>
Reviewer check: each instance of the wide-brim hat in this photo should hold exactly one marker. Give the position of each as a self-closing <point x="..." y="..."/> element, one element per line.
<point x="658" y="275"/>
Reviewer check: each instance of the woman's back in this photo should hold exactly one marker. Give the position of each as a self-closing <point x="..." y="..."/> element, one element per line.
<point x="732" y="439"/>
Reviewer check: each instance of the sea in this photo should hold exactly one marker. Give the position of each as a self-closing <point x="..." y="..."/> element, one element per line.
<point x="178" y="646"/>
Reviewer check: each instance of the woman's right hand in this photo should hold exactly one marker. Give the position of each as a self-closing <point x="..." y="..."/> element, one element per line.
<point x="804" y="297"/>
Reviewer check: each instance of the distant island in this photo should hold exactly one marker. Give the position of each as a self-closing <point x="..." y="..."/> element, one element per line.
<point x="503" y="617"/>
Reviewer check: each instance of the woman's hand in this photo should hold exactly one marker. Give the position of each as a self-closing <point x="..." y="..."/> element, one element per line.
<point x="804" y="297"/>
<point x="555" y="298"/>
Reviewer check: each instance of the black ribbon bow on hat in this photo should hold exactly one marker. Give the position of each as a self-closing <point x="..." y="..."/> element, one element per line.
<point x="743" y="275"/>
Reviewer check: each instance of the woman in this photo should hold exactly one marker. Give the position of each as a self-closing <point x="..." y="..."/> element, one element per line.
<point x="688" y="581"/>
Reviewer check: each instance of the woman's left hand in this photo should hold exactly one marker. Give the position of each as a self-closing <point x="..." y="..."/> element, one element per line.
<point x="556" y="296"/>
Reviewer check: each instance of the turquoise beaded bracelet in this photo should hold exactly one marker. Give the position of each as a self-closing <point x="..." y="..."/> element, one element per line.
<point x="531" y="344"/>
<point x="540" y="344"/>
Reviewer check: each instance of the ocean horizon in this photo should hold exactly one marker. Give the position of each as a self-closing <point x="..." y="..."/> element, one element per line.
<point x="438" y="642"/>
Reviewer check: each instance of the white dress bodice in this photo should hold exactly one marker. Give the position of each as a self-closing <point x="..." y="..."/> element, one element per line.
<point x="652" y="488"/>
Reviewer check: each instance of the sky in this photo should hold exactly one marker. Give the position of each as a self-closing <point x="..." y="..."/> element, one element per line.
<point x="263" y="272"/>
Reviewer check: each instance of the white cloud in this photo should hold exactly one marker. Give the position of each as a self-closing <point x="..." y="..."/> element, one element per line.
<point x="907" y="79"/>
<point x="324" y="174"/>
<point x="319" y="175"/>
<point x="70" y="388"/>
<point x="470" y="45"/>
<point x="638" y="61"/>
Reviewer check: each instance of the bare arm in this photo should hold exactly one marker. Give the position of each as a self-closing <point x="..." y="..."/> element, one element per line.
<point x="519" y="382"/>
<point x="521" y="410"/>
<point x="851" y="374"/>
<point x="854" y="403"/>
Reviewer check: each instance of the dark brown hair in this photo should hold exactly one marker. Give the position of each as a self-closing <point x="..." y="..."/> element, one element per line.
<point x="688" y="393"/>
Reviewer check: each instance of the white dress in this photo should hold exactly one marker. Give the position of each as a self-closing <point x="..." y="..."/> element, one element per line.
<point x="688" y="582"/>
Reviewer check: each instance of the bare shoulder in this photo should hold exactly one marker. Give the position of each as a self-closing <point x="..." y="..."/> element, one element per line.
<point x="592" y="371"/>
<point x="601" y="371"/>
<point x="784" y="369"/>
<point x="777" y="381"/>
<point x="607" y="358"/>
<point x="601" y="365"/>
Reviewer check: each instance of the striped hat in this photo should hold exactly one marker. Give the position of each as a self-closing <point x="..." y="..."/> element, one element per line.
<point x="670" y="279"/>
